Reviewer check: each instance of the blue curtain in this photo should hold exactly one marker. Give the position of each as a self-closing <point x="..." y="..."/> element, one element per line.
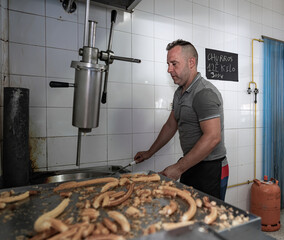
<point x="273" y="112"/>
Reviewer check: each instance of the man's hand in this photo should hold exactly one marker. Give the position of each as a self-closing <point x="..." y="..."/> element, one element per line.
<point x="172" y="172"/>
<point x="141" y="156"/>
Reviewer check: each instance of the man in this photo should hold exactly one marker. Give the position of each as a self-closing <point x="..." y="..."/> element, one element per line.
<point x="198" y="116"/>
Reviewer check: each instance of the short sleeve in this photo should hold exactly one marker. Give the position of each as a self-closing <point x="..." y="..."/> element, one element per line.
<point x="207" y="105"/>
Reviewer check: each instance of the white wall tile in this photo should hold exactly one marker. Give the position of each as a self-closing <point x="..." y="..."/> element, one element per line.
<point x="277" y="20"/>
<point x="245" y="119"/>
<point x="61" y="34"/>
<point x="58" y="63"/>
<point x="256" y="13"/>
<point x="232" y="196"/>
<point x="119" y="146"/>
<point x="36" y="85"/>
<point x="61" y="151"/>
<point x="216" y="39"/>
<point x="119" y="121"/>
<point x="232" y="156"/>
<point x="233" y="175"/>
<point x="93" y="149"/>
<point x="217" y="4"/>
<point x="167" y="149"/>
<point x="200" y="15"/>
<point x="245" y="173"/>
<point x="202" y="2"/>
<point x="244" y="9"/>
<point x="146" y="6"/>
<point x="119" y="95"/>
<point x="26" y="28"/>
<point x="243" y="27"/>
<point x="244" y="192"/>
<point x="143" y="96"/>
<point x="201" y="36"/>
<point x="54" y="9"/>
<point x="230" y="42"/>
<point x="216" y="19"/>
<point x="231" y="23"/>
<point x="143" y="72"/>
<point x="278" y="6"/>
<point x="120" y="71"/>
<point x="59" y="122"/>
<point x="231" y="138"/>
<point x="161" y="162"/>
<point x="163" y="28"/>
<point x="162" y="77"/>
<point x="145" y="166"/>
<point x="183" y="10"/>
<point x="143" y="120"/>
<point x="142" y="142"/>
<point x="183" y="30"/>
<point x="231" y="7"/>
<point x="122" y="44"/>
<point x="26" y="60"/>
<point x="230" y="119"/>
<point x="164" y="8"/>
<point x="143" y="23"/>
<point x="37" y="122"/>
<point x="161" y="116"/>
<point x="96" y="13"/>
<point x="28" y="6"/>
<point x="142" y="47"/>
<point x="230" y="99"/>
<point x="160" y="52"/>
<point x="164" y="96"/>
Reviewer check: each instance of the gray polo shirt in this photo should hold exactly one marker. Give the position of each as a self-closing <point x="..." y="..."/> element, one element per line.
<point x="201" y="101"/>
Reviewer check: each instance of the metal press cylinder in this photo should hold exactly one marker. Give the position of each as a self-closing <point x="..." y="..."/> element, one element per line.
<point x="87" y="94"/>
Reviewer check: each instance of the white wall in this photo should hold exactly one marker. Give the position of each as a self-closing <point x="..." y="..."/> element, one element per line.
<point x="43" y="40"/>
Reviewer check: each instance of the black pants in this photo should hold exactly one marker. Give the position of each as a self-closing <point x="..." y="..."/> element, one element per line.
<point x="205" y="176"/>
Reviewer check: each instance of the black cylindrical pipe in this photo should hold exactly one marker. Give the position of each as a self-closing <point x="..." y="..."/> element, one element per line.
<point x="16" y="159"/>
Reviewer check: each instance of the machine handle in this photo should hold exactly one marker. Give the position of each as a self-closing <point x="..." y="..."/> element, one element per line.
<point x="55" y="84"/>
<point x="113" y="15"/>
<point x="126" y="59"/>
<point x="113" y="18"/>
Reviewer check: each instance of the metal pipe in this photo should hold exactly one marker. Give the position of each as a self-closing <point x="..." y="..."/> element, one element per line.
<point x="239" y="184"/>
<point x="92" y="34"/>
<point x="78" y="156"/>
<point x="86" y="22"/>
<point x="251" y="82"/>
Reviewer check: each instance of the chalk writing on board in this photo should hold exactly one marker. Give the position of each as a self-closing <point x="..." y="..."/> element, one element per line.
<point x="221" y="65"/>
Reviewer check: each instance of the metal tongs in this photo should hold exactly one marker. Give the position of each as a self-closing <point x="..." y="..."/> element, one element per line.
<point x="122" y="168"/>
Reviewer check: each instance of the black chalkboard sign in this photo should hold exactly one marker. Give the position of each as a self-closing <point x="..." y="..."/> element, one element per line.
<point x="221" y="65"/>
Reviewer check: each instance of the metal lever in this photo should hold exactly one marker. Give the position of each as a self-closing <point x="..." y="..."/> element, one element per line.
<point x="55" y="84"/>
<point x="109" y="52"/>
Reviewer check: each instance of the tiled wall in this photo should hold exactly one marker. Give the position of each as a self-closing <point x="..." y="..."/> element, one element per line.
<point x="43" y="40"/>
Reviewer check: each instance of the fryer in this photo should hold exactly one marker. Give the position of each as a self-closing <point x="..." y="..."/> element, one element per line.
<point x="17" y="219"/>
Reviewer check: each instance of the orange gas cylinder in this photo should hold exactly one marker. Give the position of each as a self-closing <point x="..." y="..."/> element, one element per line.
<point x="265" y="203"/>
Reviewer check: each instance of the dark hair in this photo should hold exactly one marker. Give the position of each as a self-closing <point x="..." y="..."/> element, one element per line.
<point x="185" y="46"/>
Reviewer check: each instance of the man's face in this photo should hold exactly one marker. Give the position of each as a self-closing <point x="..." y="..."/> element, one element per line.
<point x="178" y="66"/>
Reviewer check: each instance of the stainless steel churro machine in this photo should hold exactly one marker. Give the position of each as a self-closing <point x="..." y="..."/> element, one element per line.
<point x="89" y="77"/>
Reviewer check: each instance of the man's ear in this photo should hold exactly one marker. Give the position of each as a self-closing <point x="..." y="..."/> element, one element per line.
<point x="191" y="62"/>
